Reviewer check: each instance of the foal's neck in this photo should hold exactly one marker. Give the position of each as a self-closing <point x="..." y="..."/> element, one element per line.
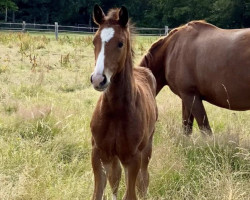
<point x="121" y="91"/>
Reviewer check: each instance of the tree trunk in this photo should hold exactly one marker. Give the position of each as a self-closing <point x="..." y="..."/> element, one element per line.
<point x="90" y="17"/>
<point x="13" y="16"/>
<point x="6" y="14"/>
<point x="47" y="17"/>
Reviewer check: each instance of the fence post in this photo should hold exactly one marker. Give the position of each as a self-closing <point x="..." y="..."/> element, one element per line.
<point x="56" y="30"/>
<point x="166" y="30"/>
<point x="23" y="26"/>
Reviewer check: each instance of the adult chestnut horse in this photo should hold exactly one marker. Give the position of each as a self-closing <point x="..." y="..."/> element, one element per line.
<point x="123" y="121"/>
<point x="199" y="61"/>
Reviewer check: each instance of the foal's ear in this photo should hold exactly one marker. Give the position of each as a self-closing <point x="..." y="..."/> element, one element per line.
<point x="123" y="16"/>
<point x="98" y="15"/>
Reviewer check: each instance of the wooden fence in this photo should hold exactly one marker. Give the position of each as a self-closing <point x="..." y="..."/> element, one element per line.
<point x="57" y="29"/>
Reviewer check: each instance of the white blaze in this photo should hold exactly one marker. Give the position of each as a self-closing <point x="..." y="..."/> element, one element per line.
<point x="106" y="35"/>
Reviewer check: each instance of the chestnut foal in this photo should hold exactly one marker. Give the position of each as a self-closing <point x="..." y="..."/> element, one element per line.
<point x="123" y="121"/>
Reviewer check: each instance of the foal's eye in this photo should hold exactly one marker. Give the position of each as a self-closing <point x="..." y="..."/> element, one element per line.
<point x="120" y="44"/>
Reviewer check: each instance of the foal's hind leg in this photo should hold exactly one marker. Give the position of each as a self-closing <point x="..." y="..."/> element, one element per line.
<point x="196" y="107"/>
<point x="113" y="170"/>
<point x="142" y="181"/>
<point x="187" y="120"/>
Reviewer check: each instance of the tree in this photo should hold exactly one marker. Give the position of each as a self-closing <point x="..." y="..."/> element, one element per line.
<point x="227" y="13"/>
<point x="246" y="14"/>
<point x="6" y="5"/>
<point x="145" y="13"/>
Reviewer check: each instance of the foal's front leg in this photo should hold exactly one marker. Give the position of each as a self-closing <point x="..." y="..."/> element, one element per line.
<point x="99" y="175"/>
<point x="113" y="170"/>
<point x="131" y="169"/>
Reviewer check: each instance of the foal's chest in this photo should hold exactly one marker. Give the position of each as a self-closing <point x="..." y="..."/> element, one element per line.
<point x="117" y="136"/>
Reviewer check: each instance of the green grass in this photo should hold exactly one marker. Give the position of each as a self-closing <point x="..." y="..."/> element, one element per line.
<point x="46" y="103"/>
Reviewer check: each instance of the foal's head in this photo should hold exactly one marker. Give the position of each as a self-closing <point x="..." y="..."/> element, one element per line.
<point x="111" y="43"/>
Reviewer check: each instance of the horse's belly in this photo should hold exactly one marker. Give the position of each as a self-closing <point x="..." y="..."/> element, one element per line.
<point x="230" y="97"/>
<point x="227" y="85"/>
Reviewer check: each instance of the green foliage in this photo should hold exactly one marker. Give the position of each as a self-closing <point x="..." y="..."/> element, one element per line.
<point x="227" y="13"/>
<point x="9" y="4"/>
<point x="145" y="13"/>
<point x="223" y="13"/>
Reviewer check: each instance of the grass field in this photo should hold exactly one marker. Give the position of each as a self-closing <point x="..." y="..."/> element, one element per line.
<point x="46" y="103"/>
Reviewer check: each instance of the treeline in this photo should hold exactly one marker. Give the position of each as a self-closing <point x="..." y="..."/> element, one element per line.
<point x="145" y="13"/>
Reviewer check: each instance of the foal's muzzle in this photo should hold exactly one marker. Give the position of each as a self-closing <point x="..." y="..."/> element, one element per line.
<point x="99" y="81"/>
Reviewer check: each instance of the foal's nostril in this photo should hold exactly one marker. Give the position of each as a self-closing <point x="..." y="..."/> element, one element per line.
<point x="104" y="81"/>
<point x="91" y="78"/>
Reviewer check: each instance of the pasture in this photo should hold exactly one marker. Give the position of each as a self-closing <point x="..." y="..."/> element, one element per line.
<point x="46" y="103"/>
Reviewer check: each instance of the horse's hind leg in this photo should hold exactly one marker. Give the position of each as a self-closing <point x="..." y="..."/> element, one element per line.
<point x="196" y="107"/>
<point x="187" y="120"/>
<point x="142" y="181"/>
<point x="99" y="175"/>
<point x="113" y="170"/>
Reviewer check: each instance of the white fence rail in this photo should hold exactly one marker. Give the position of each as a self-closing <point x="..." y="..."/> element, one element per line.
<point x="57" y="29"/>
